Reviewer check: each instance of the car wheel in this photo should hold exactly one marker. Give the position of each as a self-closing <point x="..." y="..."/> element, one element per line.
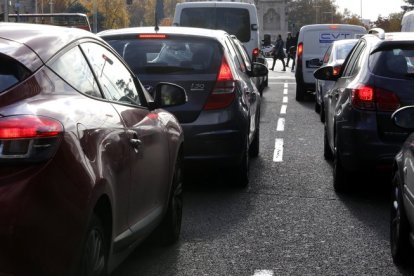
<point x="317" y="107"/>
<point x="322" y="113"/>
<point x="267" y="81"/>
<point x="255" y="145"/>
<point x="169" y="230"/>
<point x="399" y="227"/>
<point x="339" y="173"/>
<point x="327" y="152"/>
<point x="94" y="258"/>
<point x="300" y="92"/>
<point x="241" y="172"/>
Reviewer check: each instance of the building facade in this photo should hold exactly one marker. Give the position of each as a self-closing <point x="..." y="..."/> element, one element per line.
<point x="272" y="18"/>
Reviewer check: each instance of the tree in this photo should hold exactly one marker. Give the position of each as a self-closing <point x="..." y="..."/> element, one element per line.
<point x="392" y="23"/>
<point x="114" y="11"/>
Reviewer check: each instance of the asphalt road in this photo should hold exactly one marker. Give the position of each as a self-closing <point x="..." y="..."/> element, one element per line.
<point x="289" y="221"/>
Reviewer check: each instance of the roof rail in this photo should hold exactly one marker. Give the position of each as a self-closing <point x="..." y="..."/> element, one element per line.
<point x="378" y="32"/>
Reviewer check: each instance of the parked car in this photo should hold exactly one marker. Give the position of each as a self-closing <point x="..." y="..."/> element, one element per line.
<point x="376" y="79"/>
<point x="260" y="82"/>
<point x="221" y="118"/>
<point x="402" y="196"/>
<point x="79" y="141"/>
<point x="313" y="41"/>
<point x="334" y="56"/>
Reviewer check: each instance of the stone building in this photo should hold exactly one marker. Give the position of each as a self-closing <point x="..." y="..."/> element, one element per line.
<point x="272" y="18"/>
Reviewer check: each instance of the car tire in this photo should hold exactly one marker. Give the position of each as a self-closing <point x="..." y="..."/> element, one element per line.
<point x="317" y="107"/>
<point x="322" y="113"/>
<point x="94" y="260"/>
<point x="240" y="173"/>
<point x="255" y="145"/>
<point x="168" y="232"/>
<point x="401" y="251"/>
<point x="327" y="152"/>
<point x="267" y="81"/>
<point x="340" y="176"/>
<point x="300" y="92"/>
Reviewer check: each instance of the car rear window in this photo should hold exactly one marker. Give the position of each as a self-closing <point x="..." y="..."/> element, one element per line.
<point x="393" y="63"/>
<point x="11" y="73"/>
<point x="170" y="55"/>
<point x="343" y="50"/>
<point x="234" y="21"/>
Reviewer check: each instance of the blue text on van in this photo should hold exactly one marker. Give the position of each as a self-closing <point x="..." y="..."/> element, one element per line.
<point x="331" y="37"/>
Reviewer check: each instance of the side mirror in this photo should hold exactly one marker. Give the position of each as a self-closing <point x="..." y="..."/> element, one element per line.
<point x="331" y="73"/>
<point x="404" y="117"/>
<point x="168" y="94"/>
<point x="259" y="70"/>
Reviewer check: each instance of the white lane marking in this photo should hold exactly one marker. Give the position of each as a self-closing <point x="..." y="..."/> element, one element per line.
<point x="285" y="91"/>
<point x="280" y="124"/>
<point x="278" y="153"/>
<point x="273" y="82"/>
<point x="285" y="99"/>
<point x="286" y="85"/>
<point x="263" y="272"/>
<point x="281" y="78"/>
<point x="283" y="109"/>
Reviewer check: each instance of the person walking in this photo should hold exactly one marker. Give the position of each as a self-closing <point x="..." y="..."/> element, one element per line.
<point x="278" y="53"/>
<point x="290" y="41"/>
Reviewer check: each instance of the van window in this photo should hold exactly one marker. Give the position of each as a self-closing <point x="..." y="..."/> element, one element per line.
<point x="234" y="21"/>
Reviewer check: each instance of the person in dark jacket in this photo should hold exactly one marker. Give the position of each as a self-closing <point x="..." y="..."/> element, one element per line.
<point x="290" y="41"/>
<point x="278" y="53"/>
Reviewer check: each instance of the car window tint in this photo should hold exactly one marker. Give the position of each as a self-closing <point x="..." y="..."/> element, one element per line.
<point x="237" y="59"/>
<point x="74" y="69"/>
<point x="116" y="82"/>
<point x="243" y="53"/>
<point x="234" y="21"/>
<point x="350" y="66"/>
<point x="393" y="63"/>
<point x="172" y="55"/>
<point x="11" y="73"/>
<point x="327" y="55"/>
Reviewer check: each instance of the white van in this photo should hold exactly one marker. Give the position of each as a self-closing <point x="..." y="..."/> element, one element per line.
<point x="313" y="41"/>
<point x="236" y="18"/>
<point x="407" y="22"/>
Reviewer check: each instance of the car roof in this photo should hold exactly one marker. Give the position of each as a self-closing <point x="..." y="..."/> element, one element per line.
<point x="172" y="30"/>
<point x="37" y="36"/>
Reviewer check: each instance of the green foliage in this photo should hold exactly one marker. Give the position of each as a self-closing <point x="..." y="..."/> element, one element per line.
<point x="392" y="23"/>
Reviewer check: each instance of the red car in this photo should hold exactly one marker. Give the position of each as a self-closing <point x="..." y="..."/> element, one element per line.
<point x="89" y="163"/>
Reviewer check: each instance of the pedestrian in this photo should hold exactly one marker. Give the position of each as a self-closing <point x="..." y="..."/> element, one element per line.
<point x="278" y="53"/>
<point x="292" y="51"/>
<point x="290" y="41"/>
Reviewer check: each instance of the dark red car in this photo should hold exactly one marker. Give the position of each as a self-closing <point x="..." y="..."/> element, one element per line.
<point x="89" y="163"/>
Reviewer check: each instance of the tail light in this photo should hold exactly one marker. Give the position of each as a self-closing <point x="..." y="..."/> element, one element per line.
<point x="336" y="70"/>
<point x="223" y="92"/>
<point x="299" y="53"/>
<point x="372" y="98"/>
<point x="255" y="53"/>
<point x="29" y="138"/>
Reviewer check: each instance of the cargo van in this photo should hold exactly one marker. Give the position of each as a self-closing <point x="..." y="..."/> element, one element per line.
<point x="313" y="41"/>
<point x="236" y="18"/>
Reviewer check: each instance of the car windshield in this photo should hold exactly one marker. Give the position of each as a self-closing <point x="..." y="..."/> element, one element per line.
<point x="169" y="55"/>
<point x="11" y="73"/>
<point x="394" y="63"/>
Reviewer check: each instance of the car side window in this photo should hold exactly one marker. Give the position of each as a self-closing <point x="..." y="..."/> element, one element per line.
<point x="236" y="57"/>
<point x="353" y="58"/>
<point x="116" y="81"/>
<point x="11" y="73"/>
<point x="80" y="75"/>
<point x="243" y="54"/>
<point x="327" y="55"/>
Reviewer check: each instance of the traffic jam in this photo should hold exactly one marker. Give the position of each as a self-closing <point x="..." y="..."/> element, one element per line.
<point x="181" y="150"/>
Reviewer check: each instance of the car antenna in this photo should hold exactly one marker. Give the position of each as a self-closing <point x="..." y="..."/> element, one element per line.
<point x="156" y="28"/>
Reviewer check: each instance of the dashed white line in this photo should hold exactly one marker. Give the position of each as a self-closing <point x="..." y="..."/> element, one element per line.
<point x="285" y="91"/>
<point x="278" y="153"/>
<point x="263" y="272"/>
<point x="286" y="85"/>
<point x="285" y="99"/>
<point x="280" y="124"/>
<point x="283" y="109"/>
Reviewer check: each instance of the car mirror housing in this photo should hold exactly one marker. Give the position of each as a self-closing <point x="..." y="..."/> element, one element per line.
<point x="404" y="117"/>
<point x="259" y="70"/>
<point x="326" y="73"/>
<point x="168" y="94"/>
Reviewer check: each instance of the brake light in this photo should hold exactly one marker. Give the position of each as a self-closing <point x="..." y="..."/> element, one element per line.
<point x="333" y="27"/>
<point x="255" y="53"/>
<point x="372" y="98"/>
<point x="223" y="91"/>
<point x="336" y="70"/>
<point x="300" y="50"/>
<point x="152" y="36"/>
<point x="32" y="138"/>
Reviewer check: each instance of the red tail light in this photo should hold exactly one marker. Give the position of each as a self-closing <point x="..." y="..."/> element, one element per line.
<point x="300" y="50"/>
<point x="255" y="53"/>
<point x="152" y="36"/>
<point x="336" y="70"/>
<point x="28" y="137"/>
<point x="223" y="92"/>
<point x="371" y="98"/>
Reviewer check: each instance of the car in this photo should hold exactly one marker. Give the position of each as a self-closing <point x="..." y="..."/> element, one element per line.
<point x="313" y="41"/>
<point x="221" y="118"/>
<point x="402" y="192"/>
<point x="90" y="162"/>
<point x="335" y="56"/>
<point x="375" y="80"/>
<point x="260" y="82"/>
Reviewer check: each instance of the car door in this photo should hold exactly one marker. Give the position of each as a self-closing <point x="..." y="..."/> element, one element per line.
<point x="148" y="154"/>
<point x="336" y="96"/>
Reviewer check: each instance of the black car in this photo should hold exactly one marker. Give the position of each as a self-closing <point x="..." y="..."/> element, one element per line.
<point x="376" y="79"/>
<point x="222" y="115"/>
<point x="402" y="196"/>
